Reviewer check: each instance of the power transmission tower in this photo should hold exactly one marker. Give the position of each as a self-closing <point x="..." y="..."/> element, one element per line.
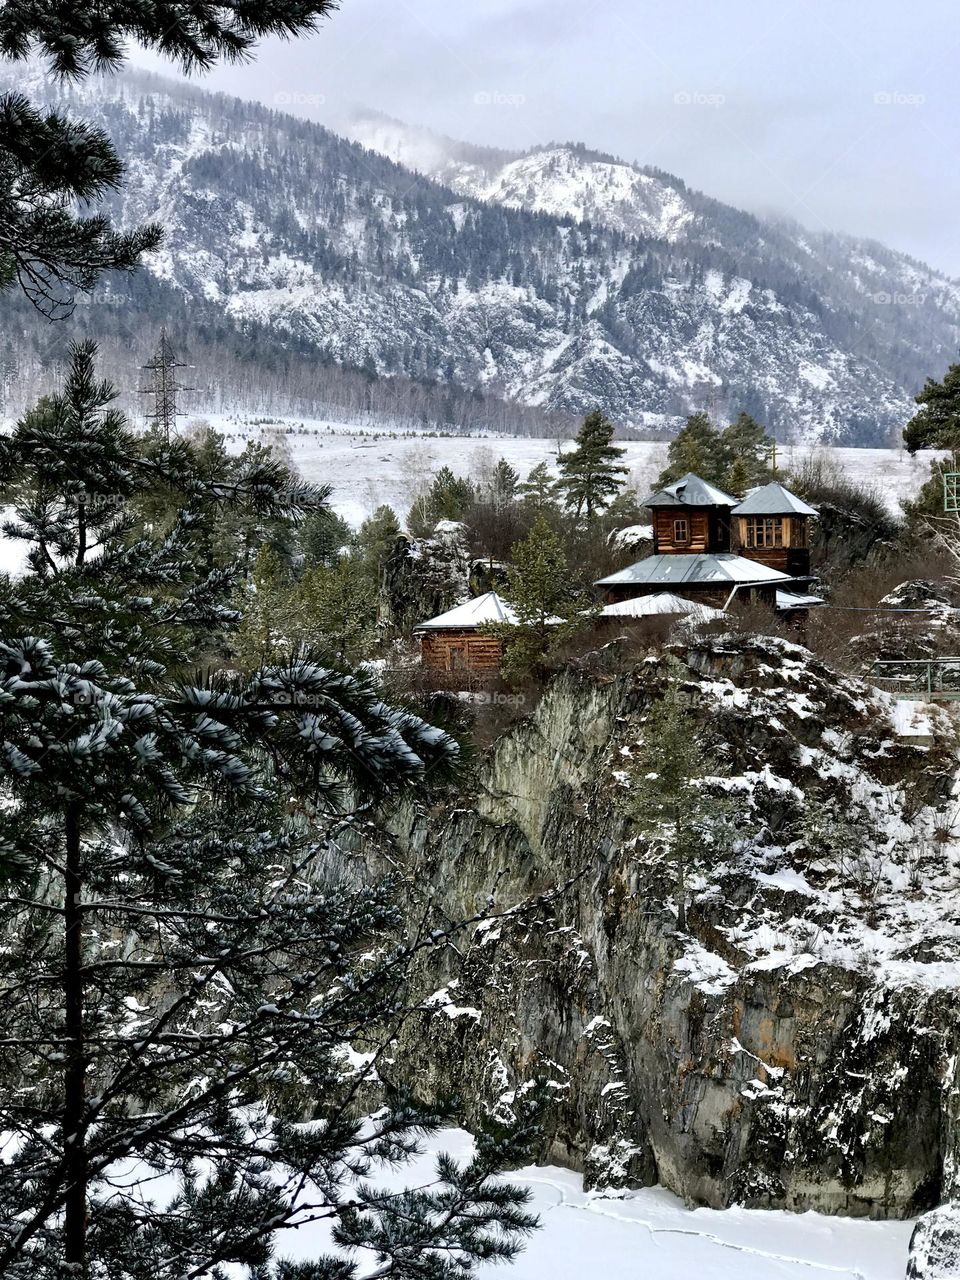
<point x="164" y="386"/>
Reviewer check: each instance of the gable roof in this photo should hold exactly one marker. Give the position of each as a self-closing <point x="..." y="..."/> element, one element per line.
<point x="478" y="612"/>
<point x="689" y="491"/>
<point x="773" y="500"/>
<point x="664" y="602"/>
<point x="692" y="569"/>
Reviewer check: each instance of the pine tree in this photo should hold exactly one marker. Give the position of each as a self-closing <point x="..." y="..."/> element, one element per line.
<point x="376" y="542"/>
<point x="537" y="491"/>
<point x="448" y="498"/>
<point x="183" y="985"/>
<point x="221" y="536"/>
<point x="548" y="607"/>
<point x="697" y="447"/>
<point x="936" y="425"/>
<point x="591" y="475"/>
<point x="503" y="484"/>
<point x="747" y="452"/>
<point x="50" y="163"/>
<point x="670" y="800"/>
<point x="323" y="537"/>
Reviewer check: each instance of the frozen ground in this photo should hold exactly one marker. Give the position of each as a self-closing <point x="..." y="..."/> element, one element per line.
<point x="373" y="466"/>
<point x="651" y="1235"/>
<point x="639" y="1235"/>
<point x="369" y="469"/>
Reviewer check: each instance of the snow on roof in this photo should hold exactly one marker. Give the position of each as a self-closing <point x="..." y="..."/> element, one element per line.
<point x="478" y="612"/>
<point x="773" y="500"/>
<point x="796" y="600"/>
<point x="632" y="534"/>
<point x="664" y="602"/>
<point x="692" y="568"/>
<point x="689" y="491"/>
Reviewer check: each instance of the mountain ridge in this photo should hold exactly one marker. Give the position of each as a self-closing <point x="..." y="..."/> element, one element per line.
<point x="638" y="295"/>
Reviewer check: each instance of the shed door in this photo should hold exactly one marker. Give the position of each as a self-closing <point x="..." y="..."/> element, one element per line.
<point x="457" y="655"/>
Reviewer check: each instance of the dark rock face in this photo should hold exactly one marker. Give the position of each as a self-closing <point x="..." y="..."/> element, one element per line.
<point x="426" y="576"/>
<point x="935" y="1245"/>
<point x="791" y="1049"/>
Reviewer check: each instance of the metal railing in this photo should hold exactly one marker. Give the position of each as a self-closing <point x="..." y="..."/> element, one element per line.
<point x="920" y="679"/>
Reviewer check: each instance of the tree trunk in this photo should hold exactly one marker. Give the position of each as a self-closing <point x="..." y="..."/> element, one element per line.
<point x="75" y="1075"/>
<point x="81" y="533"/>
<point x="681" y="878"/>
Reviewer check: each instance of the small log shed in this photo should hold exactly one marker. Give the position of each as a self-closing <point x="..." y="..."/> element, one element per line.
<point x="457" y="641"/>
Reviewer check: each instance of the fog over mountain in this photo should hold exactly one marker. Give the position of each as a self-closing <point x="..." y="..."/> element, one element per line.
<point x="404" y="268"/>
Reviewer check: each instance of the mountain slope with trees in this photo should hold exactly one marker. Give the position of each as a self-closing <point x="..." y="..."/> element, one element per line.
<point x="290" y="248"/>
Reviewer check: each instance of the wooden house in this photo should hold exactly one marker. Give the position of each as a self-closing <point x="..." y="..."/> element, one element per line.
<point x="457" y="641"/>
<point x="714" y="549"/>
<point x="690" y="517"/>
<point x="712" y="579"/>
<point x="771" y="527"/>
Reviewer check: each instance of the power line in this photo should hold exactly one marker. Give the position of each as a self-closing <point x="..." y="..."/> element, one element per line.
<point x="164" y="386"/>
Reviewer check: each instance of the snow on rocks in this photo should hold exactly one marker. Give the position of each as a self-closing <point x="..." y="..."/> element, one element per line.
<point x="788" y="1050"/>
<point x="935" y="1245"/>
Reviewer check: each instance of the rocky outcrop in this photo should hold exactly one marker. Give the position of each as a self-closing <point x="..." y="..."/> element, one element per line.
<point x="425" y="576"/>
<point x="935" y="1246"/>
<point x="794" y="1047"/>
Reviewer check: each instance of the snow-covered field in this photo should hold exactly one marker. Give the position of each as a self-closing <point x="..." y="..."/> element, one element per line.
<point x="651" y="1235"/>
<point x="374" y="465"/>
<point x="367" y="469"/>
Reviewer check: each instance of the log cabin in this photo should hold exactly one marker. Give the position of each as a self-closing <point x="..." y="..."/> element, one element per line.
<point x="458" y="641"/>
<point x="690" y="517"/>
<point x="715" y="548"/>
<point x="712" y="579"/>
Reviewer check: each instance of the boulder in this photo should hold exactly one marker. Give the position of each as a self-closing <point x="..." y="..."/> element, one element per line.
<point x="935" y="1245"/>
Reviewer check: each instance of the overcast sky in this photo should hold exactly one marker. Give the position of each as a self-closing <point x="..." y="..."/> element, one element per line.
<point x="841" y="113"/>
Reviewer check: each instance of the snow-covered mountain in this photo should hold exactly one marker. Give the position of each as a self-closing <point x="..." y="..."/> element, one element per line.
<point x="563" y="181"/>
<point x="558" y="279"/>
<point x="569" y="181"/>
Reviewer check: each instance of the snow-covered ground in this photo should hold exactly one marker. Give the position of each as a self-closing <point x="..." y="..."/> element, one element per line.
<point x="651" y="1235"/>
<point x="636" y="1235"/>
<point x="373" y="467"/>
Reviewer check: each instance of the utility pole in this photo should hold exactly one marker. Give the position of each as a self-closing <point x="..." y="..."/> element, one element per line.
<point x="164" y="386"/>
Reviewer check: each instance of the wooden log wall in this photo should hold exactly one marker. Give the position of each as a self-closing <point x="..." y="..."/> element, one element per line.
<point x="664" y="529"/>
<point x="461" y="651"/>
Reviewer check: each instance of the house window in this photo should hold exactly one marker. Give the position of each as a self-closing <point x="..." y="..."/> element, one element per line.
<point x="681" y="532"/>
<point x="764" y="531"/>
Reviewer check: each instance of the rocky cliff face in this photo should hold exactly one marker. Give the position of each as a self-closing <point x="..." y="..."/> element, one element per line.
<point x="797" y="1046"/>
